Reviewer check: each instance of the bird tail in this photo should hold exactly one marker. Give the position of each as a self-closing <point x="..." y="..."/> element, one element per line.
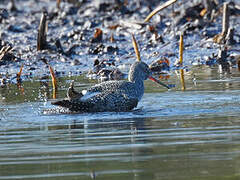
<point x="78" y="106"/>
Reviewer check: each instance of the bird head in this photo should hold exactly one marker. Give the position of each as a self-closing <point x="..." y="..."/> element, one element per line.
<point x="139" y="69"/>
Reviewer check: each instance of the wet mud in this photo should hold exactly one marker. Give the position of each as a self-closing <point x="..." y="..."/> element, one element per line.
<point x="72" y="35"/>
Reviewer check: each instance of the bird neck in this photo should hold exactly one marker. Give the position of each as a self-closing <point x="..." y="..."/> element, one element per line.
<point x="136" y="79"/>
<point x="135" y="76"/>
<point x="138" y="86"/>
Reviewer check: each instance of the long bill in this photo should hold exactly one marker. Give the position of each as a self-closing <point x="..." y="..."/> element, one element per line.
<point x="159" y="82"/>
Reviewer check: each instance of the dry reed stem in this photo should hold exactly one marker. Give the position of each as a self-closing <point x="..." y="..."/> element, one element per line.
<point x="54" y="80"/>
<point x="13" y="6"/>
<point x="20" y="72"/>
<point x="42" y="33"/>
<point x="112" y="38"/>
<point x="182" y="79"/>
<point x="159" y="8"/>
<point x="225" y="20"/>
<point x="181" y="50"/>
<point x="54" y="94"/>
<point x="135" y="46"/>
<point x="4" y="51"/>
<point x="58" y="4"/>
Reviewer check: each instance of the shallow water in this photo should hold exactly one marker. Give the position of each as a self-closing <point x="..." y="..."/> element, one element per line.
<point x="192" y="134"/>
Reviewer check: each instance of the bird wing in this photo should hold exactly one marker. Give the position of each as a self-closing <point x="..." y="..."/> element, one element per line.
<point x="104" y="87"/>
<point x="100" y="102"/>
<point x="106" y="96"/>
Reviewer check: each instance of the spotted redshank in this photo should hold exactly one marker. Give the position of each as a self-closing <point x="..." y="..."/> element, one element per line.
<point x="117" y="95"/>
<point x="110" y="95"/>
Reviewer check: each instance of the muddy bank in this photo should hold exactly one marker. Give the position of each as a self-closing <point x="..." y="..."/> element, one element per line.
<point x="72" y="44"/>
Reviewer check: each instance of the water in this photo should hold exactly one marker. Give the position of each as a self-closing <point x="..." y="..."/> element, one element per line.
<point x="192" y="134"/>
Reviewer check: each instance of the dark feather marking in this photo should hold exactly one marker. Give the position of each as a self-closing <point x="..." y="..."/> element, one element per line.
<point x="74" y="106"/>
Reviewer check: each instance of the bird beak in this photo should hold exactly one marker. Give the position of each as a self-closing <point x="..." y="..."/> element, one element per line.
<point x="159" y="82"/>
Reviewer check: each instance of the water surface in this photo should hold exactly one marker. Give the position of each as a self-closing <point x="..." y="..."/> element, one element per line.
<point x="192" y="134"/>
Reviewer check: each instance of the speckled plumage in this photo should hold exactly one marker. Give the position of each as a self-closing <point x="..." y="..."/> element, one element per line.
<point x="110" y="95"/>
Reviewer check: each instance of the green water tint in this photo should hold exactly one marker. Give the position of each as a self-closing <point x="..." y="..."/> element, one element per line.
<point x="192" y="134"/>
<point x="201" y="78"/>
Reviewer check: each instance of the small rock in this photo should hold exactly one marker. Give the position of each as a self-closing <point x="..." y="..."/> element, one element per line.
<point x="15" y="28"/>
<point x="110" y="49"/>
<point x="75" y="62"/>
<point x="89" y="25"/>
<point x="3" y="14"/>
<point x="97" y="36"/>
<point x="96" y="50"/>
